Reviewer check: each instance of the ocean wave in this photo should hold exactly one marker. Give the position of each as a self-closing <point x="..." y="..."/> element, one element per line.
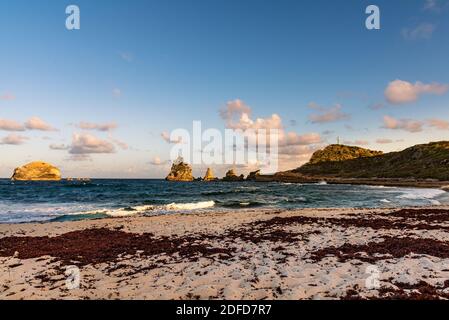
<point x="296" y="199"/>
<point x="131" y="211"/>
<point x="190" y="206"/>
<point x="381" y="187"/>
<point x="420" y="194"/>
<point x="241" y="204"/>
<point x="233" y="191"/>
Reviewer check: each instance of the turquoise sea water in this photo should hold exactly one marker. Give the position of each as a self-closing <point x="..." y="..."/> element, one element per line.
<point x="67" y="200"/>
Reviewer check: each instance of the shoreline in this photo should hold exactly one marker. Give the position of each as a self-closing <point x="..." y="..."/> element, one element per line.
<point x="255" y="254"/>
<point x="290" y="177"/>
<point x="208" y="197"/>
<point x="387" y="182"/>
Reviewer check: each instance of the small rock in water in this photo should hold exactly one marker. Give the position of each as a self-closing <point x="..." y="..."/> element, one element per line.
<point x="180" y="171"/>
<point x="37" y="171"/>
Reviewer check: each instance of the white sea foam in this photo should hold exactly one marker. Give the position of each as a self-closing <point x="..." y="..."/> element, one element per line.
<point x="131" y="211"/>
<point x="381" y="187"/>
<point x="190" y="206"/>
<point x="385" y="201"/>
<point x="420" y="194"/>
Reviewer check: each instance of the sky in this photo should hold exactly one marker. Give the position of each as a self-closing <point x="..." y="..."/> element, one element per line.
<point x="101" y="101"/>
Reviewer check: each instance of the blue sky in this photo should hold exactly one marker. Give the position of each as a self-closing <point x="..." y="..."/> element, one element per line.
<point x="140" y="68"/>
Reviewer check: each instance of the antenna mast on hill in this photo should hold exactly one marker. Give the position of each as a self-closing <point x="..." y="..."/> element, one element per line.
<point x="338" y="140"/>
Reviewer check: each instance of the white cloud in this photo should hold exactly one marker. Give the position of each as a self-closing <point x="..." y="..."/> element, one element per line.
<point x="79" y="157"/>
<point x="127" y="56"/>
<point x="234" y="109"/>
<point x="376" y="106"/>
<point x="422" y="31"/>
<point x="293" y="139"/>
<point x="13" y="139"/>
<point x="435" y="6"/>
<point x="156" y="161"/>
<point x="121" y="144"/>
<point x="357" y="143"/>
<point x="36" y="123"/>
<point x="384" y="141"/>
<point x="33" y="123"/>
<point x="326" y="115"/>
<point x="59" y="147"/>
<point x="97" y="126"/>
<point x="7" y="97"/>
<point x="237" y="115"/>
<point x="402" y="124"/>
<point x="166" y="137"/>
<point x="399" y="91"/>
<point x="439" y="124"/>
<point x="116" y="93"/>
<point x="11" y="125"/>
<point x="430" y="4"/>
<point x="89" y="144"/>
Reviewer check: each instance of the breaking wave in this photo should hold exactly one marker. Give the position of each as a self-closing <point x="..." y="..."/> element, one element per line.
<point x="421" y="194"/>
<point x="131" y="211"/>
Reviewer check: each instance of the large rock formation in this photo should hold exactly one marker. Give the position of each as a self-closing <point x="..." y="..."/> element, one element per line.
<point x="425" y="161"/>
<point x="209" y="175"/>
<point x="36" y="171"/>
<point x="180" y="171"/>
<point x="253" y="175"/>
<point x="231" y="176"/>
<point x="339" y="152"/>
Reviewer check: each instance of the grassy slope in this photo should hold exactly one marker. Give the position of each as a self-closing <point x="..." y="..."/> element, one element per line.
<point x="428" y="161"/>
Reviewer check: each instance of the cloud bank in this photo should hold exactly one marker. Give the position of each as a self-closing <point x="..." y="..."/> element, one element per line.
<point x="326" y="115"/>
<point x="403" y="124"/>
<point x="400" y="92"/>
<point x="88" y="144"/>
<point x="13" y="139"/>
<point x="97" y="126"/>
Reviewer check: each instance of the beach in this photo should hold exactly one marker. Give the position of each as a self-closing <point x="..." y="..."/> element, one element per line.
<point x="381" y="253"/>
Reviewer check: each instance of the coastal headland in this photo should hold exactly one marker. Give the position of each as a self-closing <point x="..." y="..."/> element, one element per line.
<point x="423" y="166"/>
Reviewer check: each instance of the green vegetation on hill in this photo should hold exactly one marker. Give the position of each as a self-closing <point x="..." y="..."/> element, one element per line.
<point x="426" y="161"/>
<point x="339" y="152"/>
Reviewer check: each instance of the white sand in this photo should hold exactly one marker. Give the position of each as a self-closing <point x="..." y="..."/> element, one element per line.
<point x="253" y="273"/>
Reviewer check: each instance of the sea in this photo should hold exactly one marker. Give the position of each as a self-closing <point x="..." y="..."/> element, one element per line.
<point x="22" y="202"/>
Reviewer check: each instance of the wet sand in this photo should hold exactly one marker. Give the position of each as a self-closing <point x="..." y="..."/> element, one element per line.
<point x="252" y="254"/>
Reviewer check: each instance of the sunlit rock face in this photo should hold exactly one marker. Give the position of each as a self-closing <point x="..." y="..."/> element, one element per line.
<point x="37" y="171"/>
<point x="209" y="176"/>
<point x="180" y="171"/>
